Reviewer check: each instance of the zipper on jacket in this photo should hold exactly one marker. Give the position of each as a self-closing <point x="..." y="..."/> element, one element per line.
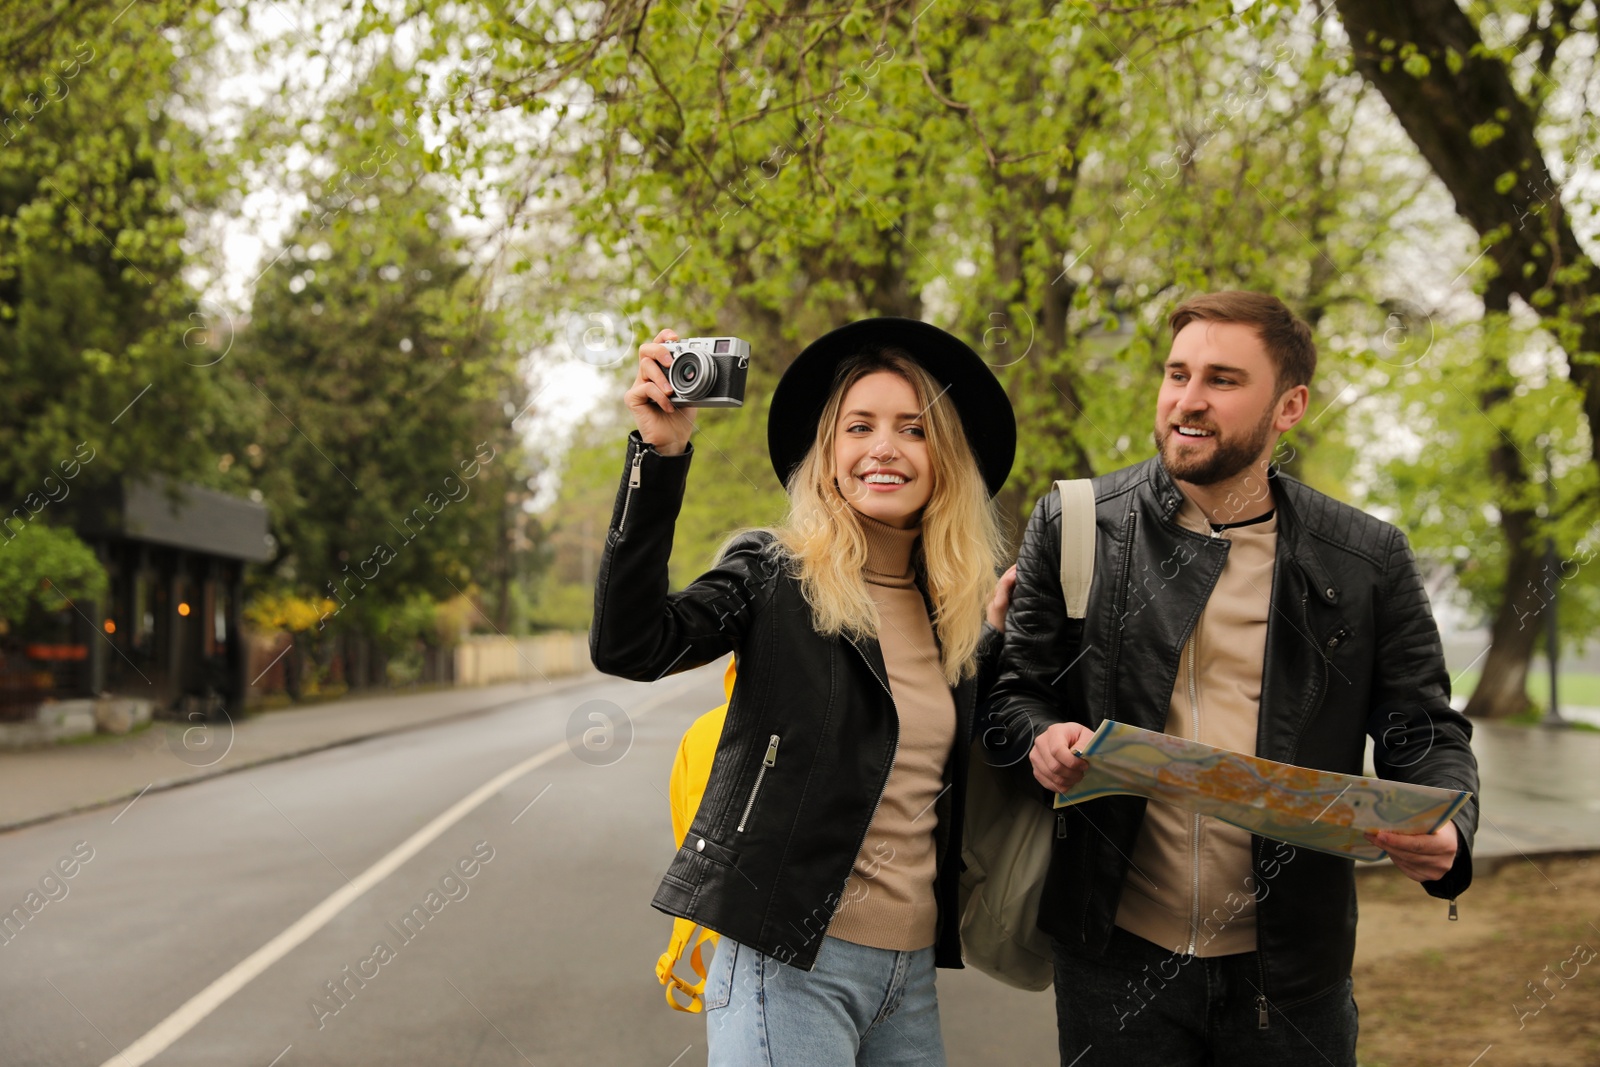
<point x="1194" y="826"/>
<point x="769" y="760"/>
<point x="1454" y="915"/>
<point x="633" y="483"/>
<point x="1261" y="960"/>
<point x="1194" y="716"/>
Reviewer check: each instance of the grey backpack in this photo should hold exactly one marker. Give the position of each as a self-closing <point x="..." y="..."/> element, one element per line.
<point x="1007" y="840"/>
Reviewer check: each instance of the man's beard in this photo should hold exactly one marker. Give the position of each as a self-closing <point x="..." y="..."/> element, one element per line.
<point x="1229" y="457"/>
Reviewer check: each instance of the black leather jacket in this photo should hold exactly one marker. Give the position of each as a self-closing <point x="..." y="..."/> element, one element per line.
<point x="809" y="738"/>
<point x="1351" y="651"/>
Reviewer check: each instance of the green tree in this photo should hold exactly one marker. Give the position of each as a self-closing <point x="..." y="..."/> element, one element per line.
<point x="98" y="327"/>
<point x="56" y="570"/>
<point x="379" y="386"/>
<point x="1492" y="122"/>
<point x="103" y="367"/>
<point x="1483" y="414"/>
<point x="1045" y="184"/>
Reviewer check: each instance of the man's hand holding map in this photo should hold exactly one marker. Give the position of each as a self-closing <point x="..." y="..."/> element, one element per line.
<point x="1313" y="809"/>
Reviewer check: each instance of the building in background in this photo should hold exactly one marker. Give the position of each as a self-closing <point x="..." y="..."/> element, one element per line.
<point x="168" y="631"/>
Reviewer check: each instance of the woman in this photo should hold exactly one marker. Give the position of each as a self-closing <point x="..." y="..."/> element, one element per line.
<point x="827" y="847"/>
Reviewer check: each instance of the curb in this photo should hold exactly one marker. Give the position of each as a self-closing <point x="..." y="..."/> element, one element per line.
<point x="1493" y="864"/>
<point x="167" y="784"/>
<point x="1484" y="865"/>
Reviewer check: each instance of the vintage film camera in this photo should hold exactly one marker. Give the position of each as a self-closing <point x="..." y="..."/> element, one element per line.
<point x="708" y="372"/>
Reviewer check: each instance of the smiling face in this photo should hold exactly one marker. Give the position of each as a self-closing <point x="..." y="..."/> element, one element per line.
<point x="880" y="450"/>
<point x="1219" y="412"/>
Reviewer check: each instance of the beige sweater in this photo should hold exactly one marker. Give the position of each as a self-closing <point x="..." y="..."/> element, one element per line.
<point x="888" y="899"/>
<point x="1190" y="887"/>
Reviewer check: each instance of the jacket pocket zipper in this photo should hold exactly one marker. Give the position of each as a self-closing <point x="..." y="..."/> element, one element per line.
<point x="633" y="483"/>
<point x="769" y="760"/>
<point x="1322" y="694"/>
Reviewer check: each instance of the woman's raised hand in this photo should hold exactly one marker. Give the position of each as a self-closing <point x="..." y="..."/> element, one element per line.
<point x="649" y="398"/>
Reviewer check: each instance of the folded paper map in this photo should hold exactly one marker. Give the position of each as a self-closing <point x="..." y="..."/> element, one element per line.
<point x="1319" y="810"/>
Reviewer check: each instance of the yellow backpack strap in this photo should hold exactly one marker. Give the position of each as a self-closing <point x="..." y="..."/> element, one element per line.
<point x="690" y="772"/>
<point x="683" y="933"/>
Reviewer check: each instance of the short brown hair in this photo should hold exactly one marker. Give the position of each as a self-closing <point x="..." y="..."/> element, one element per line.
<point x="1286" y="337"/>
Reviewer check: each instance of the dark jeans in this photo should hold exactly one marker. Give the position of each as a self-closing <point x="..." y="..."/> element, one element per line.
<point x="1144" y="1005"/>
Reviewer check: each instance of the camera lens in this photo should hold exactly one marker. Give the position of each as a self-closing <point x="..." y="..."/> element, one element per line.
<point x="691" y="376"/>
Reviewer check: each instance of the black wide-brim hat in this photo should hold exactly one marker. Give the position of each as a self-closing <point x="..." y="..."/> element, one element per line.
<point x="979" y="398"/>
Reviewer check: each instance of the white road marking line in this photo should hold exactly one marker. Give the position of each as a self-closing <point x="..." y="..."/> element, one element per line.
<point x="187" y="1017"/>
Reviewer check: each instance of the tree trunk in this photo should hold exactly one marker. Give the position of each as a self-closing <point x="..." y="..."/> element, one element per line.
<point x="1502" y="689"/>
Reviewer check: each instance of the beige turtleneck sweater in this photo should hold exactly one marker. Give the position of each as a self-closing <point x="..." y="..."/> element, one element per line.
<point x="1190" y="886"/>
<point x="888" y="900"/>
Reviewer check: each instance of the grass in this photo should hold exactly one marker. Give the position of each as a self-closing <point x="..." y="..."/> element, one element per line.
<point x="1437" y="993"/>
<point x="1574" y="687"/>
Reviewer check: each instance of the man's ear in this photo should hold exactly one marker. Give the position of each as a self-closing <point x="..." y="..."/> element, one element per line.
<point x="1291" y="408"/>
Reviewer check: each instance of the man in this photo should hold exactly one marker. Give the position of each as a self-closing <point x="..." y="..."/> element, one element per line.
<point x="1235" y="606"/>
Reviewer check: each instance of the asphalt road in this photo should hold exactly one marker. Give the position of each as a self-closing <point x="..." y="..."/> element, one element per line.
<point x="203" y="925"/>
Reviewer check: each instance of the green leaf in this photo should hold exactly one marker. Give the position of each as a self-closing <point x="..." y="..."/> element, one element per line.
<point x="1486" y="133"/>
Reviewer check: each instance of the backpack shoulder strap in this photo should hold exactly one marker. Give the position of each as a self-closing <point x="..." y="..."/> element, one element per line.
<point x="1077" y="544"/>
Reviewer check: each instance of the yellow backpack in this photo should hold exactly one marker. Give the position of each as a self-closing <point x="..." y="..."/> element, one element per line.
<point x="690" y="771"/>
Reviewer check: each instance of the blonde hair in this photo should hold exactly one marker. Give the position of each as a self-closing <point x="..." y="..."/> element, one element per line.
<point x="960" y="549"/>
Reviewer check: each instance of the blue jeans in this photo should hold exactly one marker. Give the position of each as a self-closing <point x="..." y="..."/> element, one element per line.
<point x="1141" y="1004"/>
<point x="872" y="1007"/>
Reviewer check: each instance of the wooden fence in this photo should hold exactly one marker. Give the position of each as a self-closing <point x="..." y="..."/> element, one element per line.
<point x="483" y="659"/>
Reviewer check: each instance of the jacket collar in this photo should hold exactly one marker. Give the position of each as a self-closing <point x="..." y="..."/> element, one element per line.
<point x="1302" y="548"/>
<point x="1169" y="499"/>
